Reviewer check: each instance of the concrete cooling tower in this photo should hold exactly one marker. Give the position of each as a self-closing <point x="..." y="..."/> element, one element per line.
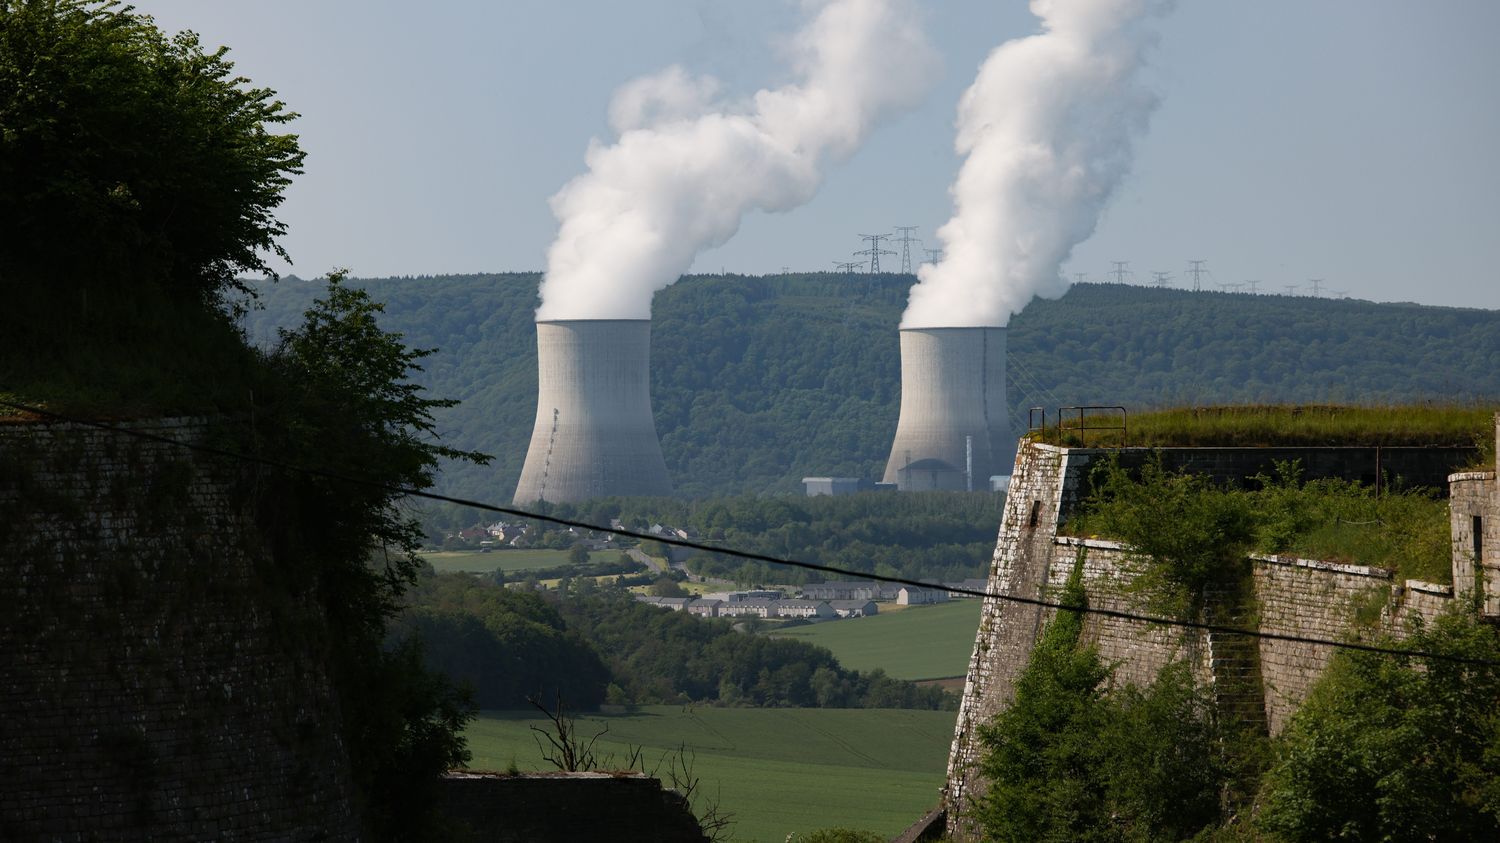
<point x="594" y="435"/>
<point x="953" y="433"/>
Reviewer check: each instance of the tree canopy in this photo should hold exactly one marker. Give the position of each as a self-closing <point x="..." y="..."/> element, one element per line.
<point x="127" y="156"/>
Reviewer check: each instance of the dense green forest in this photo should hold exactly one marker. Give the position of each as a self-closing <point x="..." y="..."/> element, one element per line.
<point x="593" y="645"/>
<point x="759" y="381"/>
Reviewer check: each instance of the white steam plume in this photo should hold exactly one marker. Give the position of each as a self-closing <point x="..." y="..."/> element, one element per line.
<point x="684" y="171"/>
<point x="1047" y="129"/>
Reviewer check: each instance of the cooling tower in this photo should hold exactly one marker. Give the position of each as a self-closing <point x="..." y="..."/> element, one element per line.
<point x="953" y="433"/>
<point x="594" y="435"/>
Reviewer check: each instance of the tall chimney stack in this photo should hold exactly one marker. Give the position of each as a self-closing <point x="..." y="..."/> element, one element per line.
<point x="594" y="435"/>
<point x="953" y="429"/>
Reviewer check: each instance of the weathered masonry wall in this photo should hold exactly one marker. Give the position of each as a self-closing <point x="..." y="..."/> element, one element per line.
<point x="1262" y="679"/>
<point x="1474" y="511"/>
<point x="564" y="807"/>
<point x="152" y="686"/>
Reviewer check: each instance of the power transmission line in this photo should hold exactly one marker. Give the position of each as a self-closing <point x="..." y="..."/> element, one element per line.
<point x="739" y="554"/>
<point x="874" y="251"/>
<point x="906" y="240"/>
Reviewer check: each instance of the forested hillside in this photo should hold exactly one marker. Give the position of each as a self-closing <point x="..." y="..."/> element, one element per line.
<point x="759" y="381"/>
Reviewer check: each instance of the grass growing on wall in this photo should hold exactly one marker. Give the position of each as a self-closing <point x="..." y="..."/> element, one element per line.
<point x="1296" y="425"/>
<point x="1406" y="531"/>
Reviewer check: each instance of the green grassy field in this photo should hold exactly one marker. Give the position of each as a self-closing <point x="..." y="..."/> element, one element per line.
<point x="776" y="770"/>
<point x="474" y="562"/>
<point x="920" y="642"/>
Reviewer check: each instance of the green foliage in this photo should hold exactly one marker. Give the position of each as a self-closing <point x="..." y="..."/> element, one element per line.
<point x="471" y="629"/>
<point x="403" y="727"/>
<point x="1405" y="530"/>
<point x="667" y="587"/>
<point x="758" y="382"/>
<point x="507" y="645"/>
<point x="1395" y="747"/>
<point x="1163" y="514"/>
<point x="1182" y="530"/>
<point x="335" y="396"/>
<point x="138" y="176"/>
<point x="933" y="535"/>
<point x="837" y="835"/>
<point x="578" y="554"/>
<point x="1067" y="762"/>
<point x="127" y="157"/>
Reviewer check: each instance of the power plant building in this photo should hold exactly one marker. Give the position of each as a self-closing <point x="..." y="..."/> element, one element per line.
<point x="594" y="435"/>
<point x="953" y="433"/>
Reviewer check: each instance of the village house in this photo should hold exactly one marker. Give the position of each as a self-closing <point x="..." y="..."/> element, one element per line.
<point x="965" y="585"/>
<point x="676" y="604"/>
<point x="705" y="608"/>
<point x="912" y="596"/>
<point x="853" y="608"/>
<point x="749" y="608"/>
<point x="804" y="609"/>
<point x="843" y="590"/>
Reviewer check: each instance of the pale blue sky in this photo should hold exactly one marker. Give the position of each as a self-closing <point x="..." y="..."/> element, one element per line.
<point x="1347" y="140"/>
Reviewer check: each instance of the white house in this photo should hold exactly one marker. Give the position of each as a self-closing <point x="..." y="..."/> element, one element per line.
<point x="910" y="596"/>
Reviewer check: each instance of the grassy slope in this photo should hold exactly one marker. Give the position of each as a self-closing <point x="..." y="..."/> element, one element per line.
<point x="776" y="770"/>
<point x="922" y="642"/>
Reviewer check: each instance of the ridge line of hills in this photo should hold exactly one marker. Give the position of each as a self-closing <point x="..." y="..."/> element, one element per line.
<point x="758" y="381"/>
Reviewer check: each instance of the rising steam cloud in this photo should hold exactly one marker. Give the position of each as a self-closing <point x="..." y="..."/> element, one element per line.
<point x="1046" y="129"/>
<point x="685" y="170"/>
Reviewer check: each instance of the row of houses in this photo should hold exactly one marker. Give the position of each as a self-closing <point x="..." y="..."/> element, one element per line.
<point x="763" y="607"/>
<point x="904" y="595"/>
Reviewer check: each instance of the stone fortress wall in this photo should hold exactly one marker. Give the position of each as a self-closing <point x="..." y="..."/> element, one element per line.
<point x="152" y="685"/>
<point x="1262" y="680"/>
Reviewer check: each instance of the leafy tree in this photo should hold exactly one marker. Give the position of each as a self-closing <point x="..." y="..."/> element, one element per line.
<point x="138" y="178"/>
<point x="1395" y="747"/>
<point x="578" y="554"/>
<point x="338" y="398"/>
<point x="1184" y="531"/>
<point x="667" y="587"/>
<point x="1066" y="761"/>
<point x="128" y="157"/>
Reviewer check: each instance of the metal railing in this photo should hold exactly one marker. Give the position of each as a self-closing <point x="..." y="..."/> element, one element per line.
<point x="1036" y="422"/>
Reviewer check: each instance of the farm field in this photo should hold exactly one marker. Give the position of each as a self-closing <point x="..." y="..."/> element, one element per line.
<point x="776" y="770"/>
<point x="474" y="562"/>
<point x="918" y="642"/>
